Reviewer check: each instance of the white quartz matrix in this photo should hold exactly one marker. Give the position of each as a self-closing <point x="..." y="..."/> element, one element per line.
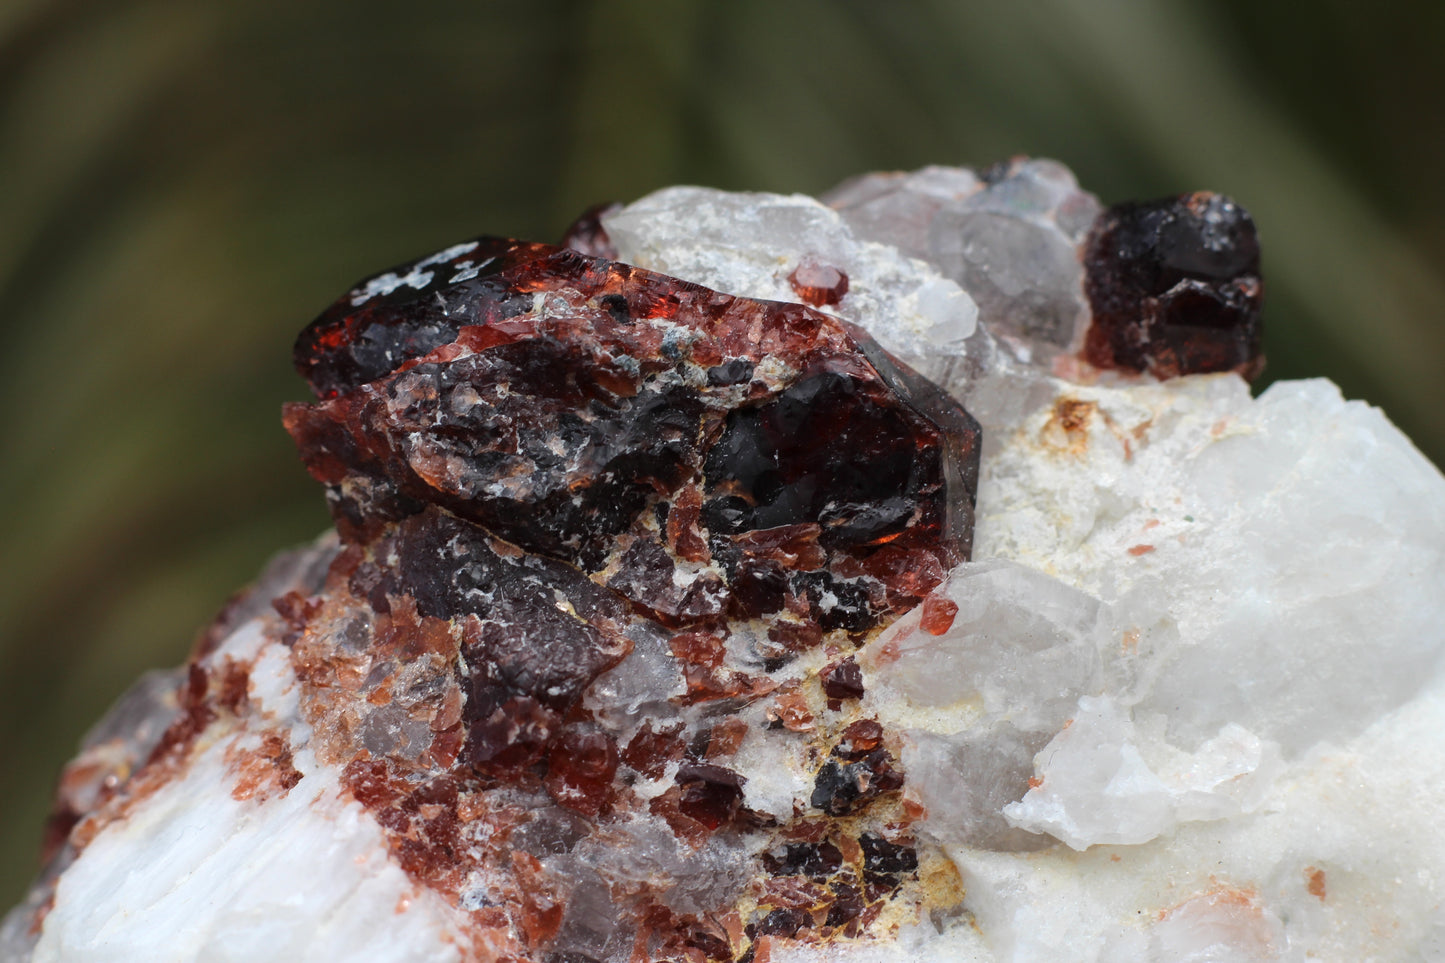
<point x="1191" y="706"/>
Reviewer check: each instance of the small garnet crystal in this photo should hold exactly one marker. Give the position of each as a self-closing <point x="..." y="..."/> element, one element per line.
<point x="1175" y="288"/>
<point x="817" y="283"/>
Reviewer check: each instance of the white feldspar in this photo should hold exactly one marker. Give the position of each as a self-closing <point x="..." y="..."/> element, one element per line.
<point x="302" y="875"/>
<point x="1191" y="706"/>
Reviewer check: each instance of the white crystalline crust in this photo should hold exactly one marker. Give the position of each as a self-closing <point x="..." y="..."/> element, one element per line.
<point x="1191" y="706"/>
<point x="928" y="255"/>
<point x="749" y="244"/>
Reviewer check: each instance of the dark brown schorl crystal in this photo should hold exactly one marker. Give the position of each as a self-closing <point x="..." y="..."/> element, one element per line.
<point x="1174" y="286"/>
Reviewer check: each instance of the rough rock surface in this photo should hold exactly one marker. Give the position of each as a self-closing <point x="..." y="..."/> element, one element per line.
<point x="668" y="617"/>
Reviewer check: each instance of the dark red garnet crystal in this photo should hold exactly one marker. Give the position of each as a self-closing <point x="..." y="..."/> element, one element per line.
<point x="548" y="448"/>
<point x="1174" y="287"/>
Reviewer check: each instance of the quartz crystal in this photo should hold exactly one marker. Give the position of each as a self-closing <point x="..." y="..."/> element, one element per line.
<point x="905" y="575"/>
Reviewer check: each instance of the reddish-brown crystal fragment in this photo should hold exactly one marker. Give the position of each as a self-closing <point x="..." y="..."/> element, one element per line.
<point x="264" y="771"/>
<point x="581" y="769"/>
<point x="860" y="738"/>
<point x="1174" y="286"/>
<point x="651" y="750"/>
<point x="817" y="283"/>
<point x="725" y="738"/>
<point x="938" y="614"/>
<point x="843" y="680"/>
<point x="710" y="794"/>
<point x="790" y="709"/>
<point x="859" y="770"/>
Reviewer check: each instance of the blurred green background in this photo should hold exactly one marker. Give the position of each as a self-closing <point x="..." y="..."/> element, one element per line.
<point x="184" y="186"/>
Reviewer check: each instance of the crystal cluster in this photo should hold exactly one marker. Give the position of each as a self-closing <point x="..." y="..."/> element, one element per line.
<point x="902" y="575"/>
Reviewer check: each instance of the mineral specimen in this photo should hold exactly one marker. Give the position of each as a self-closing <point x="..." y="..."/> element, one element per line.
<point x="669" y="617"/>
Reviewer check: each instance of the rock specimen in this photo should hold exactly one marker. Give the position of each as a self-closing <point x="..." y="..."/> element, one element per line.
<point x="670" y="615"/>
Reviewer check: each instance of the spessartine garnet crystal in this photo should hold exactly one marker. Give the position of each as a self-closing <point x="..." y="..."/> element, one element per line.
<point x="667" y="624"/>
<point x="1174" y="287"/>
<point x="543" y="463"/>
<point x="558" y="459"/>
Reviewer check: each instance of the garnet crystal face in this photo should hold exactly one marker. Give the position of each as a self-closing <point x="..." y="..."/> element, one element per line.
<point x="1175" y="288"/>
